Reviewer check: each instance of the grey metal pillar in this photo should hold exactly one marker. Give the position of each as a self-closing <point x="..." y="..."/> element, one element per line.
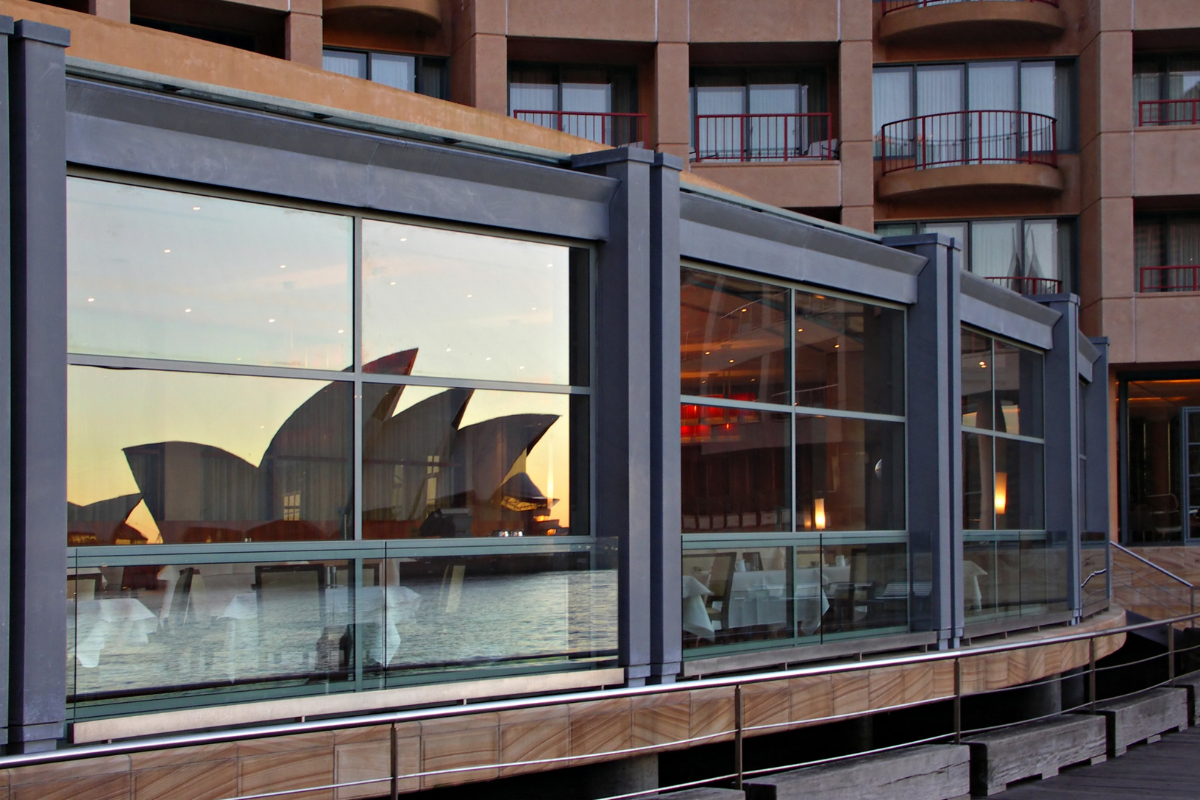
<point x="934" y="433"/>
<point x="1095" y="437"/>
<point x="6" y="29"/>
<point x="1062" y="437"/>
<point x="38" y="541"/>
<point x="622" y="395"/>
<point x="666" y="550"/>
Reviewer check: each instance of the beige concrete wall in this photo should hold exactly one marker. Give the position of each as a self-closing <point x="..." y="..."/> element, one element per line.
<point x="766" y="20"/>
<point x="608" y="20"/>
<point x="1166" y="162"/>
<point x="1166" y="15"/>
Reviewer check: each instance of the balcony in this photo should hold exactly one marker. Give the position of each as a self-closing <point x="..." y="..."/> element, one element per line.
<point x="421" y="14"/>
<point x="612" y="129"/>
<point x="764" y="137"/>
<point x="1028" y="285"/>
<point x="913" y="21"/>
<point x="1152" y="113"/>
<point x="1153" y="280"/>
<point x="1012" y="153"/>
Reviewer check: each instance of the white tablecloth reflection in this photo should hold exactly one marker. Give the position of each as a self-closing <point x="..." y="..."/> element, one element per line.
<point x="695" y="614"/>
<point x="101" y="622"/>
<point x="758" y="598"/>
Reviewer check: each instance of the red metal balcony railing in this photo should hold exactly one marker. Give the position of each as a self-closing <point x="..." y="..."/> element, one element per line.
<point x="959" y="138"/>
<point x="1169" y="279"/>
<point x="896" y="5"/>
<point x="1022" y="284"/>
<point x="1169" y="112"/>
<point x="613" y="129"/>
<point x="764" y="137"/>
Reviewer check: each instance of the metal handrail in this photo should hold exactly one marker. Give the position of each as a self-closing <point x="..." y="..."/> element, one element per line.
<point x="764" y="137"/>
<point x="897" y="5"/>
<point x="614" y="128"/>
<point x="1146" y="118"/>
<point x="1162" y="283"/>
<point x="962" y="138"/>
<point x="1152" y="565"/>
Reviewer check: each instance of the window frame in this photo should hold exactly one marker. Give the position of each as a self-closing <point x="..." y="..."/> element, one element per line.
<point x="419" y="62"/>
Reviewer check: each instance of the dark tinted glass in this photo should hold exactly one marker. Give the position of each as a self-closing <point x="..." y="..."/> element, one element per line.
<point x="867" y="586"/>
<point x="735" y="470"/>
<point x="976" y="390"/>
<point x="463" y="305"/>
<point x="733" y="338"/>
<point x="849" y="356"/>
<point x="460" y="463"/>
<point x="849" y="474"/>
<point x="1018" y="389"/>
<point x="171" y="457"/>
<point x="157" y="274"/>
<point x="1019" y="485"/>
<point x="978" y="494"/>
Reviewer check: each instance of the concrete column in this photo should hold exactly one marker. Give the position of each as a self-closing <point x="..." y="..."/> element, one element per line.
<point x="666" y="549"/>
<point x="479" y="61"/>
<point x="116" y="10"/>
<point x="671" y="115"/>
<point x="855" y="63"/>
<point x="37" y="667"/>
<point x="934" y="436"/>
<point x="303" y="36"/>
<point x="622" y="397"/>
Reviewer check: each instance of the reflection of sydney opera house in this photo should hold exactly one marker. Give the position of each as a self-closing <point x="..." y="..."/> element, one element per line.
<point x="424" y="475"/>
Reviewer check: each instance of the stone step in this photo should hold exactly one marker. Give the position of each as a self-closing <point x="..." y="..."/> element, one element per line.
<point x="1034" y="749"/>
<point x="924" y="772"/>
<point x="1191" y="683"/>
<point x="1143" y="717"/>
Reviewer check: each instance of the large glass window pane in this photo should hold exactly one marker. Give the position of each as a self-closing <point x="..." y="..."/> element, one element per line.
<point x="735" y="470"/>
<point x="939" y="95"/>
<point x="460" y="463"/>
<point x="1017" y="375"/>
<point x="1043" y="559"/>
<point x="170" y="458"/>
<point x="345" y="63"/>
<point x="867" y="585"/>
<point x="992" y="87"/>
<point x="463" y="305"/>
<point x="439" y="613"/>
<point x="996" y="249"/>
<point x="738" y="594"/>
<point x="159" y="274"/>
<point x="958" y="232"/>
<point x="980" y="569"/>
<point x="892" y="102"/>
<point x="1042" y="254"/>
<point x="148" y="629"/>
<point x="849" y="474"/>
<point x="532" y="89"/>
<point x="399" y="72"/>
<point x="849" y="356"/>
<point x="1156" y="479"/>
<point x="978" y="497"/>
<point x="1019" y="497"/>
<point x="976" y="392"/>
<point x="720" y="102"/>
<point x="733" y="338"/>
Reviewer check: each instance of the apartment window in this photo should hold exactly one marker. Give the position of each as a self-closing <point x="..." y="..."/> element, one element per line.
<point x="997" y="90"/>
<point x="1030" y="256"/>
<point x="1166" y="252"/>
<point x="305" y="456"/>
<point x="597" y="103"/>
<point x="793" y="453"/>
<point x="1011" y="565"/>
<point x="421" y="74"/>
<point x="761" y="115"/>
<point x="1166" y="89"/>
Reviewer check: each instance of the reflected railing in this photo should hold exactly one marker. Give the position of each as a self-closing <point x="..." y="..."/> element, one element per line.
<point x="226" y="622"/>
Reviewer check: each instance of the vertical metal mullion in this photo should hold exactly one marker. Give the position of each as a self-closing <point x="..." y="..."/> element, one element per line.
<point x="357" y="422"/>
<point x="790" y="374"/>
<point x="1122" y="461"/>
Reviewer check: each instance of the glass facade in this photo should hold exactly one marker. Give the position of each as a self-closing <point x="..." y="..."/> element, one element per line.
<point x="1011" y="565"/>
<point x="264" y="476"/>
<point x="793" y="453"/>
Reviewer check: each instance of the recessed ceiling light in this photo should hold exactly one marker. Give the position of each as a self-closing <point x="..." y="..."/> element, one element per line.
<point x="166" y="251"/>
<point x="187" y="311"/>
<point x="270" y="320"/>
<point x="91" y="299"/>
<point x="340" y="330"/>
<point x="195" y="208"/>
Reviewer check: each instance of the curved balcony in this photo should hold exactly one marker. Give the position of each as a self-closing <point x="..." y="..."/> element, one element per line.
<point x="425" y="14"/>
<point x="926" y="20"/>
<point x="1008" y="152"/>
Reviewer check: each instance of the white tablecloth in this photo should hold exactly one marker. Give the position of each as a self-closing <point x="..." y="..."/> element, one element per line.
<point x="100" y="622"/>
<point x="758" y="598"/>
<point x="695" y="615"/>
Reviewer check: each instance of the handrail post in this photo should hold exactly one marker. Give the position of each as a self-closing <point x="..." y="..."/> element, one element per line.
<point x="737" y="734"/>
<point x="958" y="701"/>
<point x="1171" y="654"/>
<point x="1092" y="674"/>
<point x="395" y="765"/>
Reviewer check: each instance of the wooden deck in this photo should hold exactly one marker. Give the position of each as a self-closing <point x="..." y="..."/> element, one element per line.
<point x="1169" y="768"/>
